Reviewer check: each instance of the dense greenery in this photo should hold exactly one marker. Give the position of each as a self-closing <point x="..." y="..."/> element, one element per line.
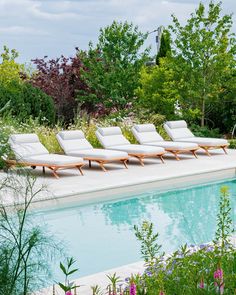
<point x="197" y="80"/>
<point x="21" y="98"/>
<point x="112" y="67"/>
<point x="194" y="78"/>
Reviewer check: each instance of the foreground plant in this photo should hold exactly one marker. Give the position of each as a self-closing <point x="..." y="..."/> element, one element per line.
<point x="68" y="270"/>
<point x="207" y="269"/>
<point x="25" y="247"/>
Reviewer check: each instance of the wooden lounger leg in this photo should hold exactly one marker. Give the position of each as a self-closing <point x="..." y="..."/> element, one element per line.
<point x="224" y="149"/>
<point x="194" y="153"/>
<point x="125" y="163"/>
<point x="90" y="163"/>
<point x="161" y="158"/>
<point x="175" y="153"/>
<point x="102" y="165"/>
<point x="43" y="170"/>
<point x="206" y="150"/>
<point x="140" y="160"/>
<point x="80" y="170"/>
<point x="54" y="171"/>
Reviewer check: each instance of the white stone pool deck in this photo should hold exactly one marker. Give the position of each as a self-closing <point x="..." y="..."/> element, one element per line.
<point x="98" y="185"/>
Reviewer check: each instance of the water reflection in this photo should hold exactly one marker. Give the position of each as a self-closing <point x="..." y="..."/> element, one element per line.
<point x="100" y="236"/>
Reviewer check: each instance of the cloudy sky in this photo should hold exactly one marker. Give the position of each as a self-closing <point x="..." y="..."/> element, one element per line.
<point x="54" y="27"/>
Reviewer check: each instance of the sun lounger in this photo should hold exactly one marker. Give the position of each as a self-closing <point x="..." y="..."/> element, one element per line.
<point x="74" y="143"/>
<point x="112" y="138"/>
<point x="178" y="131"/>
<point x="146" y="134"/>
<point x="29" y="151"/>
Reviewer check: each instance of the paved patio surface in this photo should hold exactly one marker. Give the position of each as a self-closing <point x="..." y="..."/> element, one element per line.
<point x="96" y="184"/>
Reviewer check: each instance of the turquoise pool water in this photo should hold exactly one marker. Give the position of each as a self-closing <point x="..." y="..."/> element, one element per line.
<point x="100" y="235"/>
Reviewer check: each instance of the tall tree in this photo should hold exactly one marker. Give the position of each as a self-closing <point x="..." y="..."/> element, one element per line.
<point x="113" y="65"/>
<point x="61" y="79"/>
<point x="204" y="57"/>
<point x="165" y="47"/>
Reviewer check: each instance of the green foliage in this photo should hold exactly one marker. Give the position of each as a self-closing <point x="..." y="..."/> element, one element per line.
<point x="232" y="143"/>
<point x="113" y="66"/>
<point x="149" y="247"/>
<point x="203" y="58"/>
<point x="25" y="248"/>
<point x="25" y="101"/>
<point x="224" y="230"/>
<point x="158" y="91"/>
<point x="114" y="281"/>
<point x="165" y="48"/>
<point x="191" y="270"/>
<point x="10" y="70"/>
<point x="204" y="131"/>
<point x="19" y="97"/>
<point x="68" y="270"/>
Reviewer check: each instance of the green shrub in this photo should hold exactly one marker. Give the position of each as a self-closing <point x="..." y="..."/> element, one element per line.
<point x="232" y="143"/>
<point x="204" y="131"/>
<point x="27" y="101"/>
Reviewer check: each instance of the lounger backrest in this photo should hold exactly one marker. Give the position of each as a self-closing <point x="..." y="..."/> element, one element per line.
<point x="74" y="140"/>
<point x="26" y="145"/>
<point x="146" y="133"/>
<point x="111" y="136"/>
<point x="177" y="129"/>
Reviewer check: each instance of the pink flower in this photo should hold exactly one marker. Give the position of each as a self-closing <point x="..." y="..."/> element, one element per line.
<point x="201" y="284"/>
<point x="69" y="293"/>
<point x="132" y="289"/>
<point x="219" y="282"/>
<point x="161" y="293"/>
<point x="218" y="274"/>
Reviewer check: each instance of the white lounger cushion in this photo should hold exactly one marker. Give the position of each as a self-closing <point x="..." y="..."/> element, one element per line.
<point x="178" y="130"/>
<point x="206" y="141"/>
<point x="138" y="149"/>
<point x="111" y="136"/>
<point x="147" y="134"/>
<point x="175" y="145"/>
<point x="113" y="139"/>
<point x="24" y="145"/>
<point x="53" y="159"/>
<point x="99" y="154"/>
<point x="73" y="141"/>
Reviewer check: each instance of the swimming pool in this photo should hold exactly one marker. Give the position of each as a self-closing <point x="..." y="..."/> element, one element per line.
<point x="100" y="236"/>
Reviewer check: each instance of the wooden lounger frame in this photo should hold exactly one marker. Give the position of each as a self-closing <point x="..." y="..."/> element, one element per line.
<point x="53" y="168"/>
<point x="141" y="157"/>
<point x="181" y="151"/>
<point x="207" y="148"/>
<point x="102" y="162"/>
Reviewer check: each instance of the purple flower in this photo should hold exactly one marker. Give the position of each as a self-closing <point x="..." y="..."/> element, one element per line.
<point x="132" y="289"/>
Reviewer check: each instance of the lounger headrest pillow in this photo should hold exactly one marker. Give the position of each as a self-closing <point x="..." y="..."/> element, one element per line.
<point x="73" y="134"/>
<point x="177" y="124"/>
<point x="145" y="127"/>
<point x="24" y="138"/>
<point x="108" y="131"/>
